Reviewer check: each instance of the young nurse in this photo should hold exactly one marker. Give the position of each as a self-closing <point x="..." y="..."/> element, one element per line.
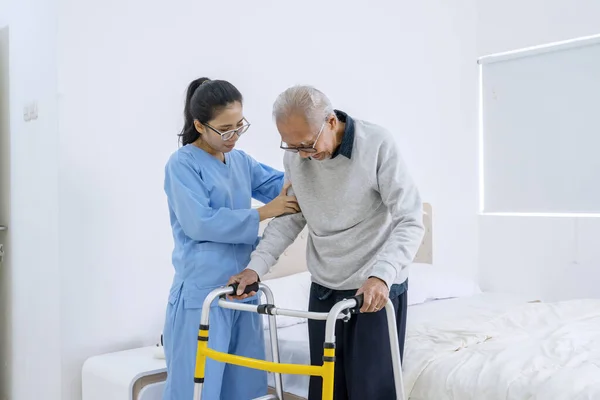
<point x="209" y="187"/>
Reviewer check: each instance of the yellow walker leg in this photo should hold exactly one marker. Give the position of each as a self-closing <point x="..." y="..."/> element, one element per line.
<point x="340" y="310"/>
<point x="200" y="360"/>
<point x="328" y="370"/>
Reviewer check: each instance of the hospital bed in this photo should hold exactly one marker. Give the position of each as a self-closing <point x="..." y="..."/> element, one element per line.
<point x="462" y="343"/>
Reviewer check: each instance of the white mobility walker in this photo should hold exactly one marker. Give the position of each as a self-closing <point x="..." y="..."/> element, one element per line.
<point x="341" y="310"/>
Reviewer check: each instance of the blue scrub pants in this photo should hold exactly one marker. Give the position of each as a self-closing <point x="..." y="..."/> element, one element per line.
<point x="235" y="332"/>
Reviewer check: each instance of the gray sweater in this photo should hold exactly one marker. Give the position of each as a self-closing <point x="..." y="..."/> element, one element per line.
<point x="363" y="211"/>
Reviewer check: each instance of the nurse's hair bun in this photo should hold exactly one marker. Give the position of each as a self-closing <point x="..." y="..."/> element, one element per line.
<point x="195" y="85"/>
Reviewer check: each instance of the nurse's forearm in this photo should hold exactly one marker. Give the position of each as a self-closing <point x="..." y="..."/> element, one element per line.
<point x="264" y="213"/>
<point x="281" y="205"/>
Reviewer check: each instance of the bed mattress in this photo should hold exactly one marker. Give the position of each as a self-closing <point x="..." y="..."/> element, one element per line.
<point x="531" y="351"/>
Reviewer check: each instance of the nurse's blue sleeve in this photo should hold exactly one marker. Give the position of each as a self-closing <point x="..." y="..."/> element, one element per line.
<point x="267" y="182"/>
<point x="188" y="198"/>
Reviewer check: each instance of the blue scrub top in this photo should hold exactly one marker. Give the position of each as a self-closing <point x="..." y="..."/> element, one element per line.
<point x="214" y="227"/>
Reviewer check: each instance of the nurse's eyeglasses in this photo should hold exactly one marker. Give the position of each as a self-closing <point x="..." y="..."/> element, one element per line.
<point x="230" y="133"/>
<point x="304" y="149"/>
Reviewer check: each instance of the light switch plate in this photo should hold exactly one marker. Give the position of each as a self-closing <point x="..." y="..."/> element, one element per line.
<point x="30" y="111"/>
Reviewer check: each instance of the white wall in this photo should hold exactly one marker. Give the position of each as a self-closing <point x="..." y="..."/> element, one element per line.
<point x="554" y="258"/>
<point x="4" y="12"/>
<point x="34" y="200"/>
<point x="93" y="257"/>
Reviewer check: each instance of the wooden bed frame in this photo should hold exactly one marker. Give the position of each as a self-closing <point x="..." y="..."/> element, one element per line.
<point x="286" y="395"/>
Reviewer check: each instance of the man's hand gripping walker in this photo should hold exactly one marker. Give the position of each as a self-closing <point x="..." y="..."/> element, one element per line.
<point x="341" y="310"/>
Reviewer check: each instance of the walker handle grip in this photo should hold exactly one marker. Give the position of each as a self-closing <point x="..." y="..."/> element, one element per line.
<point x="249" y="289"/>
<point x="359" y="303"/>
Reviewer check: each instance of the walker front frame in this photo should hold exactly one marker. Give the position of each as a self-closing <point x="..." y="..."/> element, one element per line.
<point x="341" y="310"/>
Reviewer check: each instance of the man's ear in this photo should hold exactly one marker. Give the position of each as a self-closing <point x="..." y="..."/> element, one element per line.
<point x="199" y="127"/>
<point x="332" y="121"/>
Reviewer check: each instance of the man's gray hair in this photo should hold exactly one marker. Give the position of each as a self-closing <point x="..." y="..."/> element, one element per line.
<point x="303" y="100"/>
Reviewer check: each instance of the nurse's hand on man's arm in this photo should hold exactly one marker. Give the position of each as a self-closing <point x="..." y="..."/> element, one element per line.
<point x="282" y="204"/>
<point x="243" y="279"/>
<point x="375" y="293"/>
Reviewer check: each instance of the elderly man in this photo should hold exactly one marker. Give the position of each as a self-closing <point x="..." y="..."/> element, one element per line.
<point x="364" y="218"/>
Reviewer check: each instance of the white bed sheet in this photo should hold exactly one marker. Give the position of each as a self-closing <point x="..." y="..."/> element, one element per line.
<point x="293" y="340"/>
<point x="532" y="351"/>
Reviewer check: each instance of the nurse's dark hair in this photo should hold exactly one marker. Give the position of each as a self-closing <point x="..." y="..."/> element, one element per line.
<point x="204" y="100"/>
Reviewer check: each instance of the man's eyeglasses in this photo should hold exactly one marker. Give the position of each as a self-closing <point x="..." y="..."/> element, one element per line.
<point x="230" y="133"/>
<point x="304" y="149"/>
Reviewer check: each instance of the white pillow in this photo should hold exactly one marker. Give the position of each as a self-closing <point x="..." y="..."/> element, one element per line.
<point x="292" y="293"/>
<point x="429" y="282"/>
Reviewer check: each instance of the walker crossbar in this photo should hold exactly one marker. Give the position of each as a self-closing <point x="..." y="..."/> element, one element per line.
<point x="340" y="310"/>
<point x="261" y="309"/>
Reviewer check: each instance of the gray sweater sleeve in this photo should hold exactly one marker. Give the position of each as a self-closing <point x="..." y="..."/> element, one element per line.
<point x="279" y="234"/>
<point x="401" y="196"/>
